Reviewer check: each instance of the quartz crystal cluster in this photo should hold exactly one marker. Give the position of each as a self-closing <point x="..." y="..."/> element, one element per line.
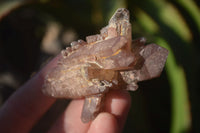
<point x="109" y="60"/>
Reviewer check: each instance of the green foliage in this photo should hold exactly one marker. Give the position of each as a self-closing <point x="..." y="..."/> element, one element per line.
<point x="166" y="104"/>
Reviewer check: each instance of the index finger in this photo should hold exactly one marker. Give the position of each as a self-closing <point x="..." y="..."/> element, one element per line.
<point x="27" y="105"/>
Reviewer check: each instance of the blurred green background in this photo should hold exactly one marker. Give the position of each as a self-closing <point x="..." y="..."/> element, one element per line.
<point x="33" y="31"/>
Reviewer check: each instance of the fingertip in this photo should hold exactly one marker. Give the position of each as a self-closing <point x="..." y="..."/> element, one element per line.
<point x="49" y="66"/>
<point x="118" y="103"/>
<point x="70" y="120"/>
<point x="104" y="123"/>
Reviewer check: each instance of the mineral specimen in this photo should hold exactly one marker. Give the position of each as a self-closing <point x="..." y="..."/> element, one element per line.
<point x="109" y="60"/>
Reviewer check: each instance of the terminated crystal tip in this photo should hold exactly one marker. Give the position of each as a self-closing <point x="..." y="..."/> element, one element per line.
<point x="121" y="14"/>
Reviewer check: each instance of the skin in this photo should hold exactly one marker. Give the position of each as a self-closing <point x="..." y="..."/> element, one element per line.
<point x="27" y="105"/>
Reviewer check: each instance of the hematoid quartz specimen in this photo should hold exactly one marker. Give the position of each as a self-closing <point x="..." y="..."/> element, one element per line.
<point x="109" y="60"/>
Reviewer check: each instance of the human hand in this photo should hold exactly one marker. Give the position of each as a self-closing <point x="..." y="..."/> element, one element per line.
<point x="26" y="106"/>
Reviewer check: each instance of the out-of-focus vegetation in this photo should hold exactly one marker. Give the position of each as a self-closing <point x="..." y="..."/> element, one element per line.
<point x="32" y="31"/>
